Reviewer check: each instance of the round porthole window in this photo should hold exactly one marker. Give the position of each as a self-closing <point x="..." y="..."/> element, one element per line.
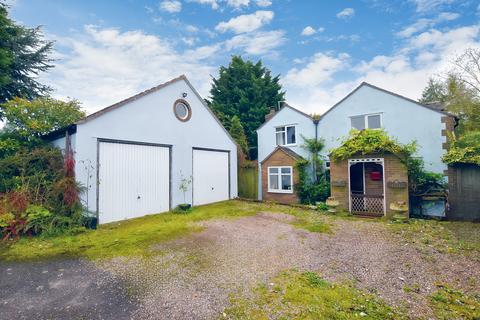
<point x="182" y="110"/>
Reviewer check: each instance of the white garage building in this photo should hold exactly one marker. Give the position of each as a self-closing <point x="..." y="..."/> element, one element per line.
<point x="132" y="156"/>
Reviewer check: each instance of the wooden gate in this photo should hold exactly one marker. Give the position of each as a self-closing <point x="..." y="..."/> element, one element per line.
<point x="248" y="180"/>
<point x="464" y="192"/>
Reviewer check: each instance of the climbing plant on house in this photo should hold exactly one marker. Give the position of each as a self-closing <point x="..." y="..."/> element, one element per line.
<point x="371" y="141"/>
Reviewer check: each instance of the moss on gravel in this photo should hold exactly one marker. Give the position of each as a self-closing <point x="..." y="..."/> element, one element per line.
<point x="127" y="238"/>
<point x="295" y="295"/>
<point x="448" y="303"/>
<point x="444" y="236"/>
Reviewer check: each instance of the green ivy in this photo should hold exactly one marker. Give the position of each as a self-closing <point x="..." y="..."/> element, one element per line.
<point x="371" y="141"/>
<point x="466" y="149"/>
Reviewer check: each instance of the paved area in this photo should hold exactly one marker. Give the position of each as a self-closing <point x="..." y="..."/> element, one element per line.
<point x="68" y="289"/>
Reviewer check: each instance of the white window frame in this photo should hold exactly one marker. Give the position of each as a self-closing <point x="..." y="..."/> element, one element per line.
<point x="286" y="144"/>
<point x="365" y="119"/>
<point x="279" y="177"/>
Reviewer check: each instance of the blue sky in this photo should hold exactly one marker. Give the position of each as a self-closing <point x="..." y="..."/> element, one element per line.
<point x="109" y="50"/>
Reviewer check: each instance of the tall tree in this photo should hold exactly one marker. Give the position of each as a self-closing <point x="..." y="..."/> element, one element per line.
<point x="32" y="119"/>
<point x="459" y="90"/>
<point x="246" y="90"/>
<point x="27" y="121"/>
<point x="238" y="133"/>
<point x="433" y="92"/>
<point x="24" y="54"/>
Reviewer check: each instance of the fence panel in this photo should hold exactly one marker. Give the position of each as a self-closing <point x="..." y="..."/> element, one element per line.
<point x="464" y="192"/>
<point x="248" y="182"/>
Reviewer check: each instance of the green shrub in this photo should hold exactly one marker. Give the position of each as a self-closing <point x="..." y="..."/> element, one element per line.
<point x="465" y="149"/>
<point x="308" y="191"/>
<point x="38" y="193"/>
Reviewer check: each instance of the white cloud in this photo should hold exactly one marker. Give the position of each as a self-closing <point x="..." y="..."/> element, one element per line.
<point x="322" y="82"/>
<point x="238" y="3"/>
<point x="189" y="41"/>
<point x="346" y="13"/>
<point x="430" y="5"/>
<point x="257" y="43"/>
<point x="308" y="31"/>
<point x="191" y="28"/>
<point x="102" y="66"/>
<point x="246" y="22"/>
<point x="264" y="3"/>
<point x="319" y="70"/>
<point x="424" y="23"/>
<point x="212" y="3"/>
<point x="202" y="53"/>
<point x="171" y="6"/>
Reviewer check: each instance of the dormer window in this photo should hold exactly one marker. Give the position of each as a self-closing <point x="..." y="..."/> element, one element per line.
<point x="286" y="135"/>
<point x="369" y="121"/>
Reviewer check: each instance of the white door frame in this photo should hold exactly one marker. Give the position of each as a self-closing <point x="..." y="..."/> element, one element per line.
<point x="364" y="160"/>
<point x="105" y="140"/>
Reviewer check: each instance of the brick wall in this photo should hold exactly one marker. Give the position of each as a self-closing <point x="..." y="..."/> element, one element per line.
<point x="339" y="182"/>
<point x="449" y="122"/>
<point x="279" y="158"/>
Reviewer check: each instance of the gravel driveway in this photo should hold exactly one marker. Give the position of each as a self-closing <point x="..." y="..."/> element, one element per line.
<point x="192" y="277"/>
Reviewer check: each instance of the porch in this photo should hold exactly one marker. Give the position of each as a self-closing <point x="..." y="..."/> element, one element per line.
<point x="368" y="185"/>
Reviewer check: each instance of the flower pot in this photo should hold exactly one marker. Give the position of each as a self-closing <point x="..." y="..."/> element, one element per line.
<point x="332" y="204"/>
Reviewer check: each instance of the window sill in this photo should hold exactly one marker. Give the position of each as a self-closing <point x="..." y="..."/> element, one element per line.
<point x="281" y="191"/>
<point x="287" y="145"/>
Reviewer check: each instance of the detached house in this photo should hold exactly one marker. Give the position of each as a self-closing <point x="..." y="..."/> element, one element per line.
<point x="280" y="138"/>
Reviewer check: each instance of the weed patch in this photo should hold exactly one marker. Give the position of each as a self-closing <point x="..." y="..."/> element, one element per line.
<point x="295" y="295"/>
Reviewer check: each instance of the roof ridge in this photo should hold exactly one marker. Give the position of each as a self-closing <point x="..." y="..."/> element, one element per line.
<point x="130" y="99"/>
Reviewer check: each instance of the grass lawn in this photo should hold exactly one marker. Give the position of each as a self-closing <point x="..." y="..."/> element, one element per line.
<point x="134" y="237"/>
<point x="295" y="295"/>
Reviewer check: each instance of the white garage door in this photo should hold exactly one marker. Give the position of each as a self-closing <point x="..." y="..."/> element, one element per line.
<point x="134" y="180"/>
<point x="210" y="176"/>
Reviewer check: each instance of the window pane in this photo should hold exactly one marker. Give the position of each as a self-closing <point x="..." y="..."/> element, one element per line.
<point x="273" y="170"/>
<point x="286" y="185"/>
<point x="291" y="139"/>
<point x="374" y="122"/>
<point x="280" y="129"/>
<point x="280" y="138"/>
<point x="181" y="110"/>
<point x="273" y="182"/>
<point x="286" y="170"/>
<point x="358" y="122"/>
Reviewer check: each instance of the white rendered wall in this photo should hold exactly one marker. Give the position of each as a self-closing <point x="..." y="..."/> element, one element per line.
<point x="402" y="119"/>
<point x="304" y="127"/>
<point x="151" y="119"/>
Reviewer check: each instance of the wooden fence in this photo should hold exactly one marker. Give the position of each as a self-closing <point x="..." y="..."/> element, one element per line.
<point x="248" y="180"/>
<point x="464" y="192"/>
